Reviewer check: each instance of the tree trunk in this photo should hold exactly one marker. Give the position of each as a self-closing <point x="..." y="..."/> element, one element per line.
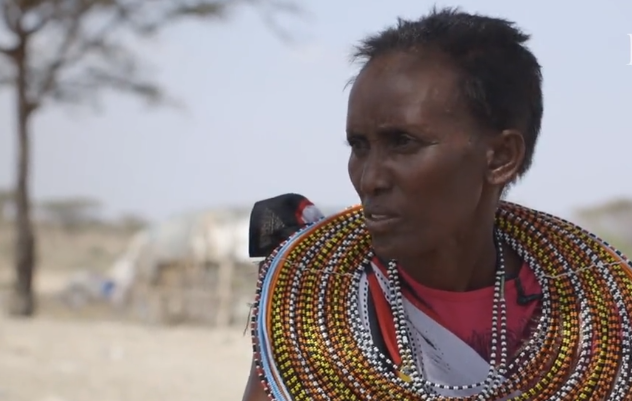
<point x="22" y="300"/>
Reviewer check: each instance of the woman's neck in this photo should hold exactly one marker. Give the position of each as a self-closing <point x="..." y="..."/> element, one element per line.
<point x="463" y="263"/>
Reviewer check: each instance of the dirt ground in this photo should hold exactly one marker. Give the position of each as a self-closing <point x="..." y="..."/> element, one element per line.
<point x="71" y="357"/>
<point x="64" y="360"/>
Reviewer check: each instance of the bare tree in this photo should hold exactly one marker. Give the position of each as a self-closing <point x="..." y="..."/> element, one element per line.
<point x="70" y="51"/>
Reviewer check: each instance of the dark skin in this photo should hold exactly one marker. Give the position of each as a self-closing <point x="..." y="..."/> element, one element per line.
<point x="254" y="389"/>
<point x="419" y="155"/>
<point x="428" y="174"/>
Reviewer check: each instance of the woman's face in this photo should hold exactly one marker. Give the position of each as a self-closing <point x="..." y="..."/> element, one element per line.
<point x="418" y="161"/>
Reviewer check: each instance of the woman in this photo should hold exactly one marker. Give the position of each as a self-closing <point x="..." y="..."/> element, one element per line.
<point x="434" y="288"/>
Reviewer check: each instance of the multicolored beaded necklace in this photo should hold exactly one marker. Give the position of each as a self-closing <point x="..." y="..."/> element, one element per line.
<point x="310" y="342"/>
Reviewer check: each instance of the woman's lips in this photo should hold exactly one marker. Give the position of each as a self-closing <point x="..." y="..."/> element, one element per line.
<point x="380" y="223"/>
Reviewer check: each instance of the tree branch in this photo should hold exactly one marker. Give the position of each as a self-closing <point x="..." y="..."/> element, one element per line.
<point x="87" y="57"/>
<point x="93" y="82"/>
<point x="75" y="48"/>
<point x="269" y="9"/>
<point x="15" y="12"/>
<point x="8" y="52"/>
<point x="123" y="83"/>
<point x="11" y="15"/>
<point x="62" y="59"/>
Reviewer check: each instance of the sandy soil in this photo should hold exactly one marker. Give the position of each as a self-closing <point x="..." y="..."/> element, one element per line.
<point x="52" y="360"/>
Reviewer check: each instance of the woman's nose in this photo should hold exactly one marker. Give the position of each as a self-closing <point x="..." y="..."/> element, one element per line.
<point x="374" y="175"/>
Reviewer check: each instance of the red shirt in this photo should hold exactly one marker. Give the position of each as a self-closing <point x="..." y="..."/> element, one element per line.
<point x="468" y="315"/>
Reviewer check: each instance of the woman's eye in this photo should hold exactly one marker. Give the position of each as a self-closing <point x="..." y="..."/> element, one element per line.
<point x="357" y="145"/>
<point x="401" y="140"/>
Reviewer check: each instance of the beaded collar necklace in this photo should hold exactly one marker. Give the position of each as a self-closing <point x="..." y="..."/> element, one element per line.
<point x="310" y="342"/>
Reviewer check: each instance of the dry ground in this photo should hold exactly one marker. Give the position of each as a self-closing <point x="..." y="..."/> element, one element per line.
<point x="68" y="357"/>
<point x="64" y="360"/>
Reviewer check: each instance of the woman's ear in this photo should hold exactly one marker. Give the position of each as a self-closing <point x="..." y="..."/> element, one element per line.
<point x="505" y="155"/>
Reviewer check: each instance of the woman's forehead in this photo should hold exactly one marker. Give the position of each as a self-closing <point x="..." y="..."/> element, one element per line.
<point x="399" y="87"/>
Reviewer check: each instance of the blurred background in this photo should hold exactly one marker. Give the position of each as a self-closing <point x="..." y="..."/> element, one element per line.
<point x="136" y="135"/>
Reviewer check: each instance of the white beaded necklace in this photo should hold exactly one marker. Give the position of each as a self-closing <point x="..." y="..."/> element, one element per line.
<point x="498" y="366"/>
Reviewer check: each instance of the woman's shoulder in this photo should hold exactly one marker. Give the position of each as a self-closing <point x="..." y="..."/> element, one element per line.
<point x="274" y="220"/>
<point x="278" y="223"/>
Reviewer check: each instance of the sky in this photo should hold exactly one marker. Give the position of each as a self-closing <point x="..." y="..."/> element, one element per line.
<point x="261" y="117"/>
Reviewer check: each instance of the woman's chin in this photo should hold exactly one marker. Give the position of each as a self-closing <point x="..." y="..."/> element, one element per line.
<point x="385" y="248"/>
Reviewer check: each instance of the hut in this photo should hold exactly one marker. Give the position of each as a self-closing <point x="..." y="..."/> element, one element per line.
<point x="192" y="268"/>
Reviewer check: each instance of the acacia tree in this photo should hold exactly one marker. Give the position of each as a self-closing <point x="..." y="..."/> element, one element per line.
<point x="69" y="51"/>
